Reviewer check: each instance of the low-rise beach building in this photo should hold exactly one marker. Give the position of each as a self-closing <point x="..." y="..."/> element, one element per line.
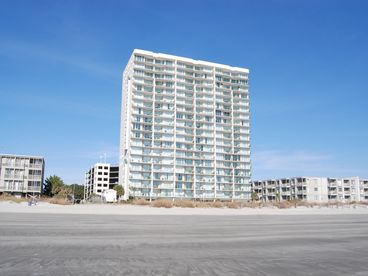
<point x="21" y="174"/>
<point x="312" y="189"/>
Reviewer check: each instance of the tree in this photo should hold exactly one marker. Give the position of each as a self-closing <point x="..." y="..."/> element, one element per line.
<point x="53" y="185"/>
<point x="119" y="190"/>
<point x="64" y="192"/>
<point x="278" y="197"/>
<point x="254" y="196"/>
<point x="78" y="190"/>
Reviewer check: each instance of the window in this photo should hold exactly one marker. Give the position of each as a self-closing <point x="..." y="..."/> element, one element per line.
<point x="136" y="126"/>
<point x="148" y="136"/>
<point x="139" y="58"/>
<point x="316" y="189"/>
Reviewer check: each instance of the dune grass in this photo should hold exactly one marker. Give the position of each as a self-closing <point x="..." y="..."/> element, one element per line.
<point x="7" y="197"/>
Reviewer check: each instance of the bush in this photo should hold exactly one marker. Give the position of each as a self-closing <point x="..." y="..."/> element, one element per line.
<point x="283" y="204"/>
<point x="267" y="204"/>
<point x="184" y="204"/>
<point x="234" y="205"/>
<point x="250" y="204"/>
<point x="201" y="204"/>
<point x="216" y="204"/>
<point x="305" y="203"/>
<point x="8" y="197"/>
<point x="162" y="203"/>
<point x="140" y="201"/>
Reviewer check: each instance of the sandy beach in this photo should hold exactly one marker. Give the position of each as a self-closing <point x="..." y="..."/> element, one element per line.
<point x="97" y="239"/>
<point x="126" y="209"/>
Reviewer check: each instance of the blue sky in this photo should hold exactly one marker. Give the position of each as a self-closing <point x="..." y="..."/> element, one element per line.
<point x="61" y="65"/>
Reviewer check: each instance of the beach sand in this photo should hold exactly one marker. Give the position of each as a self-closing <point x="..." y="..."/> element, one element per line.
<point x="126" y="209"/>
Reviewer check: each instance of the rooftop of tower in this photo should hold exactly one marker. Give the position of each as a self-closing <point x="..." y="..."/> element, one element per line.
<point x="194" y="61"/>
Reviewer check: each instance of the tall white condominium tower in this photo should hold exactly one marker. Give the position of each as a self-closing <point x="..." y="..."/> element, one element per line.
<point x="184" y="129"/>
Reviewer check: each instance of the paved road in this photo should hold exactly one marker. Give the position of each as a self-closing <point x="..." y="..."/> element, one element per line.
<point x="56" y="244"/>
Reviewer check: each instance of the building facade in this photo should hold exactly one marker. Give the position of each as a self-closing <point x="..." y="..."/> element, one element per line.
<point x="185" y="129"/>
<point x="348" y="189"/>
<point x="313" y="189"/>
<point x="21" y="175"/>
<point x="99" y="178"/>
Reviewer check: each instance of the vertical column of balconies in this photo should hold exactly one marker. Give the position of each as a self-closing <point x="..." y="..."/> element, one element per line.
<point x="153" y="190"/>
<point x="364" y="184"/>
<point x="224" y="136"/>
<point x="234" y="159"/>
<point x="163" y="173"/>
<point x="240" y="104"/>
<point x="184" y="130"/>
<point x="204" y="131"/>
<point x="195" y="155"/>
<point x="214" y="130"/>
<point x="140" y="170"/>
<point x="176" y="193"/>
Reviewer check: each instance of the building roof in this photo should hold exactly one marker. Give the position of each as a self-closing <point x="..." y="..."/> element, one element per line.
<point x="19" y="155"/>
<point x="199" y="62"/>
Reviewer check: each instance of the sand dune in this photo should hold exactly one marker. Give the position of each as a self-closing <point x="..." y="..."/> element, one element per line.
<point x="125" y="209"/>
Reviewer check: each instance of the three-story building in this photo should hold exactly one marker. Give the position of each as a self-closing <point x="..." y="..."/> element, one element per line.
<point x="20" y="174"/>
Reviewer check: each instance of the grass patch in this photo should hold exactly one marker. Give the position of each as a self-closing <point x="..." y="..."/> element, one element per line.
<point x="140" y="201"/>
<point x="216" y="204"/>
<point x="7" y="197"/>
<point x="184" y="204"/>
<point x="283" y="204"/>
<point x="201" y="204"/>
<point x="162" y="203"/>
<point x="234" y="205"/>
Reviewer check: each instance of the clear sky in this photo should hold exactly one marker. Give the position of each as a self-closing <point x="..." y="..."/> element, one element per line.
<point x="61" y="64"/>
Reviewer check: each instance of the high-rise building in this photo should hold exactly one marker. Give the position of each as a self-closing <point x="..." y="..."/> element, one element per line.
<point x="20" y="174"/>
<point x="99" y="178"/>
<point x="184" y="128"/>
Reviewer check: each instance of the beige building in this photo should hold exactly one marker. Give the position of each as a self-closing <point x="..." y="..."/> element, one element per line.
<point x="20" y="174"/>
<point x="313" y="189"/>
